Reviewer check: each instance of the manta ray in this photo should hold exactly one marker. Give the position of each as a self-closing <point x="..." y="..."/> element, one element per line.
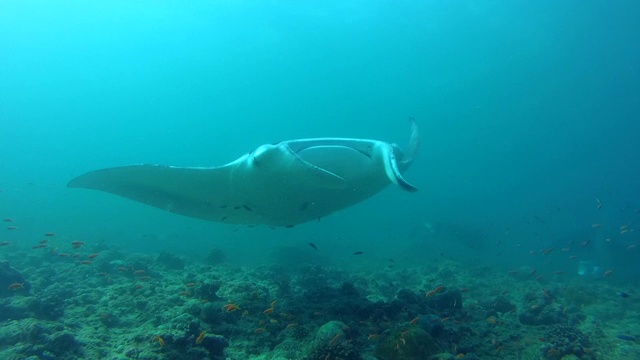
<point x="280" y="185"/>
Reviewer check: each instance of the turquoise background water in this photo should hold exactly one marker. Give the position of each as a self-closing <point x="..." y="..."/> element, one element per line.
<point x="528" y="111"/>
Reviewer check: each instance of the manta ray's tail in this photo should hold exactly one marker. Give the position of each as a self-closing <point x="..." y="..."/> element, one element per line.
<point x="413" y="148"/>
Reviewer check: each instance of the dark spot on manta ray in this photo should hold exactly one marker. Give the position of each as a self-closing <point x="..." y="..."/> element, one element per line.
<point x="246" y="207"/>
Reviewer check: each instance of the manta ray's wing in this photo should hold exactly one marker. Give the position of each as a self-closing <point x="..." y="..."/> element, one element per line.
<point x="274" y="188"/>
<point x="197" y="192"/>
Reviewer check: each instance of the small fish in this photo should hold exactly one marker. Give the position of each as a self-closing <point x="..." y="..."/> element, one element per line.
<point x="438" y="289"/>
<point x="623" y="294"/>
<point x="231" y="307"/>
<point x="313" y="246"/>
<point x="138" y="272"/>
<point x="335" y="339"/>
<point x="358" y="253"/>
<point x="259" y="330"/>
<point x="191" y="284"/>
<point x="16" y="286"/>
<point x="632" y="246"/>
<point x="608" y="273"/>
<point x="268" y="311"/>
<point x="292" y="325"/>
<point x="201" y="337"/>
<point x="54" y="251"/>
<point x="626" y="337"/>
<point x="547" y="251"/>
<point x="5" y="243"/>
<point x="415" y="321"/>
<point x="595" y="226"/>
<point x="85" y="262"/>
<point x="159" y="339"/>
<point x="77" y="244"/>
<point x="49" y="234"/>
<point x="598" y="204"/>
<point x="8" y="220"/>
<point x="93" y="256"/>
<point x="12" y="228"/>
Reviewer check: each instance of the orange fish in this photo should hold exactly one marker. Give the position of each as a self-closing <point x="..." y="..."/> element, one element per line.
<point x="231" y="307"/>
<point x="201" y="337"/>
<point x="159" y="339"/>
<point x="16" y="286"/>
<point x="268" y="311"/>
<point x="437" y="290"/>
<point x="335" y="339"/>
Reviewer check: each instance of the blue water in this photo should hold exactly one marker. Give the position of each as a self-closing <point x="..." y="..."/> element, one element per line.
<point x="529" y="114"/>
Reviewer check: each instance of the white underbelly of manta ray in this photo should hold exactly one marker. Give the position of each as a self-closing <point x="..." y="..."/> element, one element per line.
<point x="284" y="184"/>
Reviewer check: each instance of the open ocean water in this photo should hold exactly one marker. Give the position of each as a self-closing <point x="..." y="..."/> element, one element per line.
<point x="522" y="241"/>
